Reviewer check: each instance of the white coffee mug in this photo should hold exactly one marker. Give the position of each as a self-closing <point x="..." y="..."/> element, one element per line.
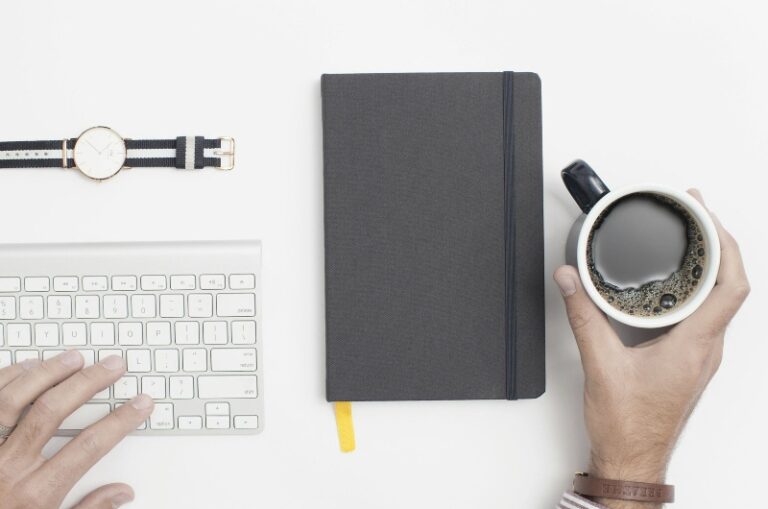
<point x="593" y="197"/>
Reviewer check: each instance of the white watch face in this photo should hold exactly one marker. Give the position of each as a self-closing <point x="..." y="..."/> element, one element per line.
<point x="99" y="152"/>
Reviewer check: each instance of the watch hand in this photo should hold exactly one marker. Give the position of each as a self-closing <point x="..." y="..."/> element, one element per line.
<point x="91" y="144"/>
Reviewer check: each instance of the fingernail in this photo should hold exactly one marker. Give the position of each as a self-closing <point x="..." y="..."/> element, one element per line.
<point x="113" y="362"/>
<point x="120" y="499"/>
<point x="30" y="363"/>
<point x="566" y="282"/>
<point x="71" y="358"/>
<point x="141" y="402"/>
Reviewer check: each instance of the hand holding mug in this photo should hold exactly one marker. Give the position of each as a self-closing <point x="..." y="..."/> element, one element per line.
<point x="637" y="400"/>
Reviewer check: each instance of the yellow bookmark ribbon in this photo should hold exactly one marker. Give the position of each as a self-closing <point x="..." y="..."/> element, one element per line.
<point x="344" y="426"/>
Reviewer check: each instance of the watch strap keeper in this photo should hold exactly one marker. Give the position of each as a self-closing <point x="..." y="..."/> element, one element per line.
<point x="589" y="486"/>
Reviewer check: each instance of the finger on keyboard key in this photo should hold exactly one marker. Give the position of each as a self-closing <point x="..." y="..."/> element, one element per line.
<point x="233" y="359"/>
<point x="235" y="304"/>
<point x="5" y="359"/>
<point x="89" y="357"/>
<point x="50" y="354"/>
<point x="85" y="416"/>
<point x="23" y="355"/>
<point x="162" y="416"/>
<point x="226" y="386"/>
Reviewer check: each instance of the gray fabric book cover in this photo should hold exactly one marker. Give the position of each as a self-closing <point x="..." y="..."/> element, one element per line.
<point x="434" y="246"/>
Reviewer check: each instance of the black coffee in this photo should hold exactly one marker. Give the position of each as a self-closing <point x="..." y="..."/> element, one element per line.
<point x="646" y="254"/>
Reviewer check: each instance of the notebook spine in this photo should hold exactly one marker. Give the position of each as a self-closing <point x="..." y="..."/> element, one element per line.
<point x="524" y="238"/>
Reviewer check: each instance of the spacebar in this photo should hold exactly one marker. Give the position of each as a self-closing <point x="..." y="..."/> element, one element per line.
<point x="212" y="387"/>
<point x="85" y="416"/>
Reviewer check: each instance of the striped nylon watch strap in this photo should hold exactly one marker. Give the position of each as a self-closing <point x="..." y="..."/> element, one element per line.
<point x="184" y="152"/>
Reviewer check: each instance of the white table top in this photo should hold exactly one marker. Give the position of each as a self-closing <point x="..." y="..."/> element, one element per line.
<point x="653" y="91"/>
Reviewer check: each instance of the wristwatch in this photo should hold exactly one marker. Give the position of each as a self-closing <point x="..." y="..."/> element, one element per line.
<point x="100" y="153"/>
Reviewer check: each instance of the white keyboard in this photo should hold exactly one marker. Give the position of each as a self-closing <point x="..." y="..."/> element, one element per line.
<point x="185" y="316"/>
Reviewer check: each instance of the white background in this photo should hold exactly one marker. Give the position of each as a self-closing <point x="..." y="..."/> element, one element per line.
<point x="667" y="92"/>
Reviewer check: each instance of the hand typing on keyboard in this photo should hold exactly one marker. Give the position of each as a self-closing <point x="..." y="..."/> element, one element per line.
<point x="56" y="388"/>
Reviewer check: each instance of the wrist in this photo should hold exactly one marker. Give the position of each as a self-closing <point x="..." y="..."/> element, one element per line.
<point x="647" y="468"/>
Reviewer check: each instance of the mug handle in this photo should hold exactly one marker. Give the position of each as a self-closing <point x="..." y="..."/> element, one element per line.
<point x="585" y="186"/>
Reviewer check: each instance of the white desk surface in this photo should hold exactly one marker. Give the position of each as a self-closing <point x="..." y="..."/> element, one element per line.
<point x="648" y="91"/>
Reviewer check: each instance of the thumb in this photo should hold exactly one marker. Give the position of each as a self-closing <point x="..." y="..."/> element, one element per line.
<point x="110" y="496"/>
<point x="595" y="337"/>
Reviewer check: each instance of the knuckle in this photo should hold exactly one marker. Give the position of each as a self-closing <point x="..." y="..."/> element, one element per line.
<point x="741" y="290"/>
<point x="89" y="443"/>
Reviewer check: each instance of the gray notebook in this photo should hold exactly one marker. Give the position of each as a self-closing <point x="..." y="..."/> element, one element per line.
<point x="433" y="236"/>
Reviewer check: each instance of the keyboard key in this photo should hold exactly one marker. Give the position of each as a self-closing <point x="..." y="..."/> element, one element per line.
<point x="87" y="306"/>
<point x="65" y="284"/>
<point x="158" y="333"/>
<point x="102" y="334"/>
<point x="182" y="282"/>
<point x="46" y="334"/>
<point x="5" y="359"/>
<point x="106" y="352"/>
<point x="233" y="359"/>
<point x="95" y="283"/>
<point x="215" y="333"/>
<point x="217" y="408"/>
<point x="182" y="387"/>
<point x="73" y="334"/>
<point x="171" y="306"/>
<point x="246" y="421"/>
<point x="212" y="282"/>
<point x="85" y="416"/>
<point x="10" y="284"/>
<point x="143" y="306"/>
<point x="102" y="394"/>
<point x="166" y="360"/>
<point x="37" y="284"/>
<point x="50" y="354"/>
<point x="126" y="387"/>
<point x="153" y="283"/>
<point x="89" y="357"/>
<point x="243" y="332"/>
<point x="153" y="386"/>
<point x="216" y="422"/>
<point x="242" y="282"/>
<point x="139" y="361"/>
<point x="187" y="333"/>
<point x="31" y="308"/>
<point x="235" y="304"/>
<point x="200" y="305"/>
<point x="59" y="307"/>
<point x="23" y="355"/>
<point x="7" y="308"/>
<point x="195" y="359"/>
<point x="19" y="334"/>
<point x="2" y="336"/>
<point x="226" y="386"/>
<point x="129" y="333"/>
<point x="162" y="416"/>
<point x="115" y="306"/>
<point x="124" y="283"/>
<point x="190" y="422"/>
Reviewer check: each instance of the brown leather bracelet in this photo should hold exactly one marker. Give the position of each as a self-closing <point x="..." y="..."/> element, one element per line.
<point x="588" y="486"/>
